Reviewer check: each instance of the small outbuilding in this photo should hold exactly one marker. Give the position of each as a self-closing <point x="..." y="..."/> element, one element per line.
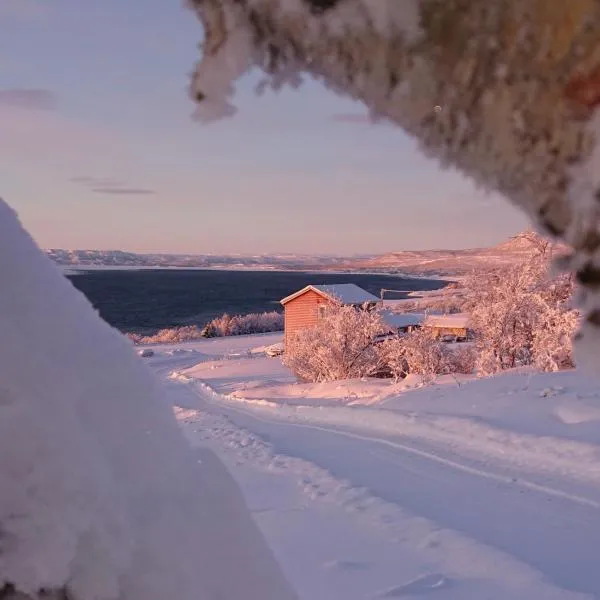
<point x="455" y="326"/>
<point x="402" y="322"/>
<point x="305" y="307"/>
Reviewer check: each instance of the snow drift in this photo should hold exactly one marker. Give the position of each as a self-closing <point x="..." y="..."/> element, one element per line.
<point x="99" y="492"/>
<point x="505" y="91"/>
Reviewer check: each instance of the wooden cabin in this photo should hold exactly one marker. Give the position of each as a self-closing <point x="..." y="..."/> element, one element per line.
<point x="304" y="308"/>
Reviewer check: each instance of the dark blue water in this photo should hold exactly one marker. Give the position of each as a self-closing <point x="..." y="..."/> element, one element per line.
<point x="145" y="301"/>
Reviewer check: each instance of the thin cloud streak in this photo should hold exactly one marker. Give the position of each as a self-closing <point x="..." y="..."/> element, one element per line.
<point x="124" y="191"/>
<point x="115" y="187"/>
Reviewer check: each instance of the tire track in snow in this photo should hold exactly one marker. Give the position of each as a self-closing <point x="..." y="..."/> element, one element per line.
<point x="512" y="521"/>
<point x="487" y="474"/>
<point x="442" y="549"/>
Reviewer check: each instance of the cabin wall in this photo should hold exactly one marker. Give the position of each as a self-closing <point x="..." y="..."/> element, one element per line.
<point x="302" y="312"/>
<point x="459" y="332"/>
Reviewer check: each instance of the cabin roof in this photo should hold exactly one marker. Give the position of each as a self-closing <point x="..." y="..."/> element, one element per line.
<point x="454" y="321"/>
<point x="346" y="293"/>
<point x="400" y="320"/>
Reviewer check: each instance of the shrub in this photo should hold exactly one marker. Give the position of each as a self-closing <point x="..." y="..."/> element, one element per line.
<point x="175" y="335"/>
<point x="342" y="345"/>
<point x="222" y="326"/>
<point x="244" y="324"/>
<point x="417" y="352"/>
<point x="461" y="358"/>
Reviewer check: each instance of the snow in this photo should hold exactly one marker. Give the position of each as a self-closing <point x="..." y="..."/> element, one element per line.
<point x="99" y="491"/>
<point x="346" y="293"/>
<point x="456" y="320"/>
<point x="266" y="380"/>
<point x="400" y="320"/>
<point x="465" y="489"/>
<point x="451" y="321"/>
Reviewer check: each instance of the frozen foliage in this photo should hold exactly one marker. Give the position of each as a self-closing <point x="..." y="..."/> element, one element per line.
<point x="417" y="352"/>
<point x="244" y="324"/>
<point x="522" y="318"/>
<point x="221" y="326"/>
<point x="508" y="92"/>
<point x="347" y="344"/>
<point x="461" y="359"/>
<point x="341" y="346"/>
<point x="99" y="493"/>
<point x="174" y="335"/>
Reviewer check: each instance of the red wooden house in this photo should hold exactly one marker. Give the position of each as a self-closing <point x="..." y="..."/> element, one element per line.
<point x="304" y="308"/>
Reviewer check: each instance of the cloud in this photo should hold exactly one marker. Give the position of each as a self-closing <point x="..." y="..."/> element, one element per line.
<point x="125" y="191"/>
<point x="29" y="99"/>
<point x="115" y="187"/>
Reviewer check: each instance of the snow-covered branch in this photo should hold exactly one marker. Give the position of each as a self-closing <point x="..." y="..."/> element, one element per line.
<point x="507" y="92"/>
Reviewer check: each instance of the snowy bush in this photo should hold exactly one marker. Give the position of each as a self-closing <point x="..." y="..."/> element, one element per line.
<point x="175" y="335"/>
<point x="417" y="352"/>
<point x="521" y="317"/>
<point x="219" y="327"/>
<point x="342" y="345"/>
<point x="244" y="324"/>
<point x="461" y="358"/>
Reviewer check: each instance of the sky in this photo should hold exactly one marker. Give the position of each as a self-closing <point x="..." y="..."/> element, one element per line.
<point x="98" y="150"/>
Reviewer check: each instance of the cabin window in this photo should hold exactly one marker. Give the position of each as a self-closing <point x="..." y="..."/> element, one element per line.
<point x="320" y="310"/>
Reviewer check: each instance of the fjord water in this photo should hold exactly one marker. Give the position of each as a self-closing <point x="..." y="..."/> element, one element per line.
<point x="147" y="300"/>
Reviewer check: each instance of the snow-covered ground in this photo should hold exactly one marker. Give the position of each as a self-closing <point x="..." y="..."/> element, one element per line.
<point x="367" y="489"/>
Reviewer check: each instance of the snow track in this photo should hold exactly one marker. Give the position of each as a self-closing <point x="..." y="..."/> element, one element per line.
<point x="533" y="523"/>
<point x="494" y="497"/>
<point x="489" y="504"/>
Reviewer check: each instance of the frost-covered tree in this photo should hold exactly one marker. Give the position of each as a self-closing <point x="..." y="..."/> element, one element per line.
<point x="342" y="345"/>
<point x="521" y="317"/>
<point x="552" y="341"/>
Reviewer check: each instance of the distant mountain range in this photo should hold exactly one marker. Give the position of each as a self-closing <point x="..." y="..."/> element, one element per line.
<point x="89" y="259"/>
<point x="429" y="263"/>
<point x="453" y="262"/>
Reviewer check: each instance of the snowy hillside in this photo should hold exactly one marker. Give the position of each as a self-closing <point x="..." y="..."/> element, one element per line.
<point x="451" y="262"/>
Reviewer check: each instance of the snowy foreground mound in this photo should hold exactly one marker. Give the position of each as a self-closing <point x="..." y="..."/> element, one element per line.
<point x="99" y="492"/>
